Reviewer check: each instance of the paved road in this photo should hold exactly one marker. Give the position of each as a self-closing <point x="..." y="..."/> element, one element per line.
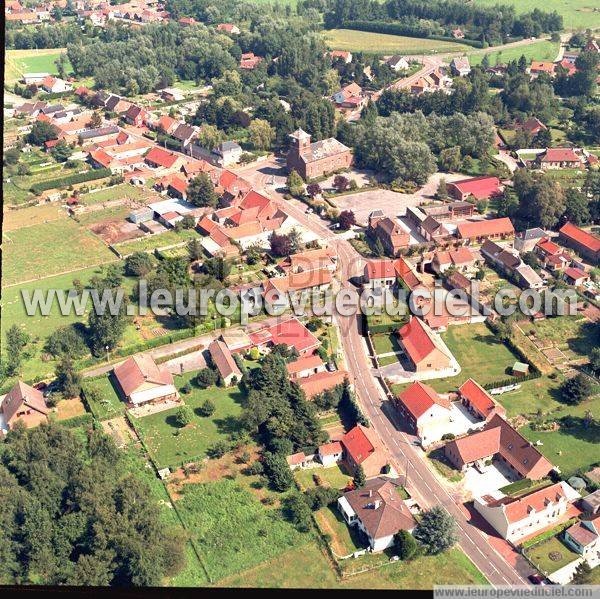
<point x="421" y="482"/>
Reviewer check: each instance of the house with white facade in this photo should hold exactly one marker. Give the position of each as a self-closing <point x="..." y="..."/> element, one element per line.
<point x="584" y="538"/>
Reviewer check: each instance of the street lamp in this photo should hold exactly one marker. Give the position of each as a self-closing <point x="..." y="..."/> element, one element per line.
<point x="107" y="354"/>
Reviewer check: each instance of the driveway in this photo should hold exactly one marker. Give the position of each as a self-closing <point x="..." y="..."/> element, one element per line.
<point x="493" y="478"/>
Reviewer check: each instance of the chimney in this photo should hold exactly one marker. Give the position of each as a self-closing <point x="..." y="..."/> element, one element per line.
<point x="376" y="504"/>
<point x="370" y="492"/>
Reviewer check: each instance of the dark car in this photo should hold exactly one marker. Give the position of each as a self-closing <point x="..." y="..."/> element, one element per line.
<point x="538" y="579"/>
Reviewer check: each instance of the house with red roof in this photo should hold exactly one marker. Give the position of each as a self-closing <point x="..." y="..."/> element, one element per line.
<point x="382" y="274"/>
<point x="498" y="441"/>
<point x="584" y="243"/>
<point x="319" y="382"/>
<point x="279" y="292"/>
<point x="532" y="125"/>
<point x="492" y="228"/>
<point x="290" y="332"/>
<point x="425" y="413"/>
<point x="24" y="404"/>
<point x="424" y="350"/>
<point x="343" y="55"/>
<point x="229" y="28"/>
<point x="555" y="158"/>
<point x="480" y="188"/>
<point x="538" y="67"/>
<point x="388" y="231"/>
<point x="330" y="453"/>
<point x="159" y="158"/>
<point x="575" y="276"/>
<point x="362" y="448"/>
<point x="517" y="517"/>
<point x="141" y="381"/>
<point x="305" y="366"/>
<point x="250" y="61"/>
<point x="478" y="401"/>
<point x="461" y="259"/>
<point x="584" y="538"/>
<point x="136" y="115"/>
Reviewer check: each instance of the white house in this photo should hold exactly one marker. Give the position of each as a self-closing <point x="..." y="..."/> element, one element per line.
<point x="229" y="152"/>
<point x="584" y="538"/>
<point x="397" y="63"/>
<point x="330" y="453"/>
<point x="514" y="518"/>
<point x="378" y="510"/>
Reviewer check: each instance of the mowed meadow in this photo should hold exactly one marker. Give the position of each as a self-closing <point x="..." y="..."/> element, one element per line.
<point x="17" y="62"/>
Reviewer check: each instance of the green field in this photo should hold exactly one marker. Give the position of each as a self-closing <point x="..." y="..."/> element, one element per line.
<point x="151" y="242"/>
<point x="44" y="250"/>
<point x="170" y="445"/>
<point x="307" y="566"/>
<point x="333" y="476"/>
<point x="110" y="404"/>
<point x="18" y="62"/>
<point x="232" y="530"/>
<point x="577" y="14"/>
<point x="541" y="555"/>
<point x="540" y="50"/>
<point x="382" y="43"/>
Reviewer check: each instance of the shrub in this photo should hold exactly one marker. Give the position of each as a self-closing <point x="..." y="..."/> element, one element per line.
<point x="207" y="408"/>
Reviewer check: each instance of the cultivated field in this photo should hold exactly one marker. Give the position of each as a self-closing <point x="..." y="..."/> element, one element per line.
<point x="382" y="43"/>
<point x="541" y="50"/>
<point x="44" y="250"/>
<point x="18" y="62"/>
<point x="577" y="14"/>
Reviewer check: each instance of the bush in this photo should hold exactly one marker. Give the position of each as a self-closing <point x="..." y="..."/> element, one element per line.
<point x="207" y="408"/>
<point x="218" y="450"/>
<point x="405" y="545"/>
<point x="207" y="377"/>
<point x="254" y="469"/>
<point x="278" y="471"/>
<point x="100" y="173"/>
<point x="186" y="389"/>
<point x="183" y="416"/>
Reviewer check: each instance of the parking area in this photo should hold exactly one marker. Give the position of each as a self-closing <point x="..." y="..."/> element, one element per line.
<point x="493" y="477"/>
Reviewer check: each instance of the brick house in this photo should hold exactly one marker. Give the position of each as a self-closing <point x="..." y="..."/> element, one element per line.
<point x="315" y="159"/>
<point x="392" y="236"/>
<point x="25" y="404"/>
<point x="584" y="243"/>
<point x="423" y="347"/>
<point x="555" y="158"/>
<point x="478" y="231"/>
<point x="481" y="188"/>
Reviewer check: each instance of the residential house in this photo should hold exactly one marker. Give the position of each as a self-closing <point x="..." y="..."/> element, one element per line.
<point x="460" y="66"/>
<point x="378" y="511"/>
<point x="289" y="332"/>
<point x="229" y="152"/>
<point x="171" y="94"/>
<point x="590" y="504"/>
<point x="305" y="367"/>
<point x="22" y="403"/>
<point x="478" y="231"/>
<point x="223" y="361"/>
<point x="480" y="188"/>
<point x="342" y="55"/>
<point x="433" y="230"/>
<point x="317" y="383"/>
<point x="184" y="133"/>
<point x="423" y="348"/>
<point x="141" y="381"/>
<point x="350" y="96"/>
<point x="525" y="241"/>
<point x="532" y="126"/>
<point x="515" y="518"/>
<point x="315" y="159"/>
<point x="458" y="34"/>
<point x="584" y="243"/>
<point x="538" y="67"/>
<point x="556" y="158"/>
<point x="498" y="440"/>
<point x="55" y="85"/>
<point x="310" y="260"/>
<point x="575" y="276"/>
<point x="136" y="115"/>
<point x="592" y="46"/>
<point x="296" y="287"/>
<point x="249" y="61"/>
<point x="381" y="274"/>
<point x="330" y="453"/>
<point x="34" y="78"/>
<point x="478" y="401"/>
<point x="388" y="231"/>
<point x="397" y="63"/>
<point x="461" y="259"/>
<point x="425" y="413"/>
<point x="362" y="448"/>
<point x="163" y="159"/>
<point x="584" y="538"/>
<point x="229" y="28"/>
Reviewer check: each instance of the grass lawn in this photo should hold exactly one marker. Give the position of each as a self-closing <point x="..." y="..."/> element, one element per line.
<point x="151" y="242"/>
<point x="117" y="192"/>
<point x="577" y="14"/>
<point x="307" y="566"/>
<point x="41" y="251"/>
<point x="443" y="466"/>
<point x="18" y="62"/>
<point x="110" y="405"/>
<point x="384" y="344"/>
<point x="551" y="555"/>
<point x="333" y="476"/>
<point x="344" y="538"/>
<point x="480" y="355"/>
<point x="540" y="50"/>
<point x="170" y="445"/>
<point x="382" y="43"/>
<point x="232" y="530"/>
<point x="32" y="215"/>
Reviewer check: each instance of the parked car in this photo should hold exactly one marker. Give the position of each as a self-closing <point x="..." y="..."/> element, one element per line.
<point x="538" y="579"/>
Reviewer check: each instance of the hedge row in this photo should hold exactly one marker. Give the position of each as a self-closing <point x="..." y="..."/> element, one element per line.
<point x="397" y="28"/>
<point x="92" y="175"/>
<point x="77" y="421"/>
<point x="547" y="535"/>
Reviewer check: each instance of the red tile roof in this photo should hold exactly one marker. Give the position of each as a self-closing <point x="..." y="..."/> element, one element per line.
<point x="589" y="241"/>
<point x="519" y="510"/>
<point x="477" y="397"/>
<point x="161" y="157"/>
<point x="357" y="444"/>
<point x="223" y="359"/>
<point x="416" y="340"/>
<point x="305" y="363"/>
<point x="560" y="155"/>
<point x="330" y="448"/>
<point x="321" y="381"/>
<point x="418" y="398"/>
<point x="20" y="394"/>
<point x="548" y="247"/>
<point x="293" y="333"/>
<point x="140" y="369"/>
<point x="479" y="187"/>
<point x="481" y="228"/>
<point x="575" y="273"/>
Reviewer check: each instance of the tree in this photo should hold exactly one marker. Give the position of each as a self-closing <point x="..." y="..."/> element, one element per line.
<point x="41" y="131"/>
<point x="68" y="379"/>
<point x="531" y="259"/>
<point x="16" y="341"/>
<point x="278" y="471"/>
<point x="346" y="220"/>
<point x="12" y="155"/>
<point x="541" y="199"/>
<point x="436" y="531"/>
<point x="295" y="184"/>
<point x="261" y="134"/>
<point x="62" y="151"/>
<point x="138" y="264"/>
<point x="577" y="208"/>
<point x="188" y="222"/>
<point x="195" y="250"/>
<point x="217" y="267"/>
<point x="405" y="545"/>
<point x="280" y="245"/>
<point x="595" y="360"/>
<point x="254" y="254"/>
<point x="359" y="479"/>
<point x="207" y="377"/>
<point x="442" y="189"/>
<point x="574" y="390"/>
<point x="583" y="573"/>
<point x="313" y="189"/>
<point x="340" y="183"/>
<point x="183" y="416"/>
<point x="207" y="408"/>
<point x="209" y="136"/>
<point x="201" y="191"/>
<point x="106" y="328"/>
<point x="95" y="120"/>
<point x="297" y="511"/>
<point x="67" y="340"/>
